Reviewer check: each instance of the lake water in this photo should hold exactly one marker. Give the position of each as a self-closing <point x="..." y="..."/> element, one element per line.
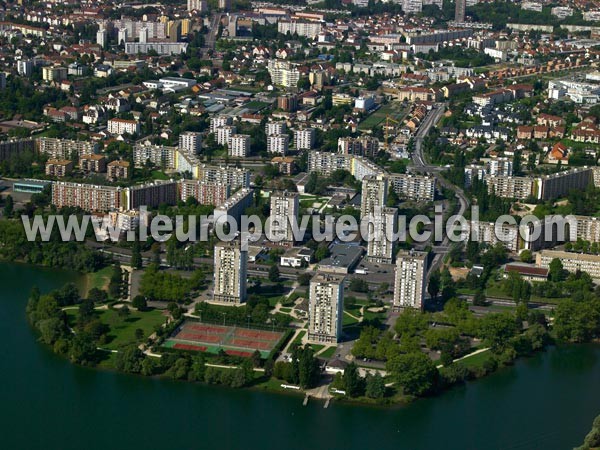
<point x="546" y="402"/>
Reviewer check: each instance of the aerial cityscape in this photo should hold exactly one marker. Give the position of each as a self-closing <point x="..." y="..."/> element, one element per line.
<point x="237" y="221"/>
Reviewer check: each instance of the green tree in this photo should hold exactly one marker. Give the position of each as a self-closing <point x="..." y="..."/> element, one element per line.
<point x="274" y="273"/>
<point x="124" y="312"/>
<point x="353" y="383"/>
<point x="139" y="302"/>
<point x="411" y="322"/>
<point x="375" y="386"/>
<point x="136" y="255"/>
<point x="434" y="284"/>
<point x="9" y="206"/>
<point x="496" y="329"/>
<point x="129" y="359"/>
<point x="526" y="256"/>
<point x="556" y="270"/>
<point x="415" y="372"/>
<point x="479" y="298"/>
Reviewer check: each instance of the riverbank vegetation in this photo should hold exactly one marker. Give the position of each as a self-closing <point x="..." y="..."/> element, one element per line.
<point x="592" y="439"/>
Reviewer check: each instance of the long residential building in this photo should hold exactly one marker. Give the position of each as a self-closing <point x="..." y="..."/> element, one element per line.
<point x="413" y="187"/>
<point x="88" y="197"/>
<point x="410" y="277"/>
<point x="230" y="273"/>
<point x="561" y="183"/>
<point x="572" y="262"/>
<point x="361" y="146"/>
<point x="206" y="193"/>
<point x="150" y="195"/>
<point x="507" y="235"/>
<point x="325" y="308"/>
<point x="519" y="188"/>
<point x="236" y="177"/>
<point x="548" y="187"/>
<point x="14" y="147"/>
<point x="410" y="186"/>
<point x="64" y="148"/>
<point x="235" y="205"/>
<point x="159" y="155"/>
<point x="304" y="28"/>
<point x="123" y="126"/>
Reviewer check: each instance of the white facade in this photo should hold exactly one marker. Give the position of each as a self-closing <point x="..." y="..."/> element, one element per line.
<point x="284" y="211"/>
<point x="325" y="308"/>
<point x="278" y="144"/>
<point x="239" y="146"/>
<point x="409" y="287"/>
<point x="230" y="273"/>
<point x="223" y="134"/>
<point x="190" y="142"/>
<point x="305" y="139"/>
<point x="122" y="126"/>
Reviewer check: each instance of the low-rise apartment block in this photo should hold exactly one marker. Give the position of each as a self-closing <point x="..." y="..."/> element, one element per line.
<point x="59" y="167"/>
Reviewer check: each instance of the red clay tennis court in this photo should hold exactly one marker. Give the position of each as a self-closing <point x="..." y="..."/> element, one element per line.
<point x="234" y="340"/>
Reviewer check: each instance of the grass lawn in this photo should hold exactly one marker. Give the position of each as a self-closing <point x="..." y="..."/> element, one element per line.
<point x="475" y="360"/>
<point x="159" y="175"/>
<point x="317" y="347"/>
<point x="328" y="353"/>
<point x="372" y="315"/>
<point x="298" y="339"/>
<point x="348" y="319"/>
<point x="99" y="279"/>
<point x="122" y="331"/>
<point x="394" y="109"/>
<point x="285" y="310"/>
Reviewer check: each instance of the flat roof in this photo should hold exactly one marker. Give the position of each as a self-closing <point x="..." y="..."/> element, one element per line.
<point x="343" y="255"/>
<point x="36" y="183"/>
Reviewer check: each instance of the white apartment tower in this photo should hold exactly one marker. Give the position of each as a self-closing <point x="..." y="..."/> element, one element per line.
<point x="305" y="139"/>
<point x="218" y="122"/>
<point x="239" y="146"/>
<point x="374" y="194"/>
<point x="278" y="143"/>
<point x="230" y="273"/>
<point x="190" y="142"/>
<point x="284" y="210"/>
<point x="102" y="38"/>
<point x="223" y="134"/>
<point x="380" y="242"/>
<point x="275" y="128"/>
<point x="325" y="307"/>
<point x="409" y="287"/>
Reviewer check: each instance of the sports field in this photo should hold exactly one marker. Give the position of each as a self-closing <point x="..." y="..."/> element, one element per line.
<point x="235" y="341"/>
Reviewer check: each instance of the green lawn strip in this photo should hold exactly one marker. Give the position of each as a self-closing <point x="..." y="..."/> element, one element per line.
<point x="475" y="360"/>
<point x="317" y="347"/>
<point x="159" y="175"/>
<point x="328" y="353"/>
<point x="347" y="319"/>
<point x="298" y="339"/>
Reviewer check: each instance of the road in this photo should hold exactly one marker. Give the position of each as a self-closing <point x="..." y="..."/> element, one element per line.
<point x="420" y="164"/>
<point x="211" y="37"/>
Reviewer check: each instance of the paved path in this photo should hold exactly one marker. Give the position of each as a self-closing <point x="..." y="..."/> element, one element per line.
<point x="476" y="352"/>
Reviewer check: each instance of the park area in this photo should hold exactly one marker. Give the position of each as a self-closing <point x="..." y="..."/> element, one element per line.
<point x="234" y="340"/>
<point x="395" y="110"/>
